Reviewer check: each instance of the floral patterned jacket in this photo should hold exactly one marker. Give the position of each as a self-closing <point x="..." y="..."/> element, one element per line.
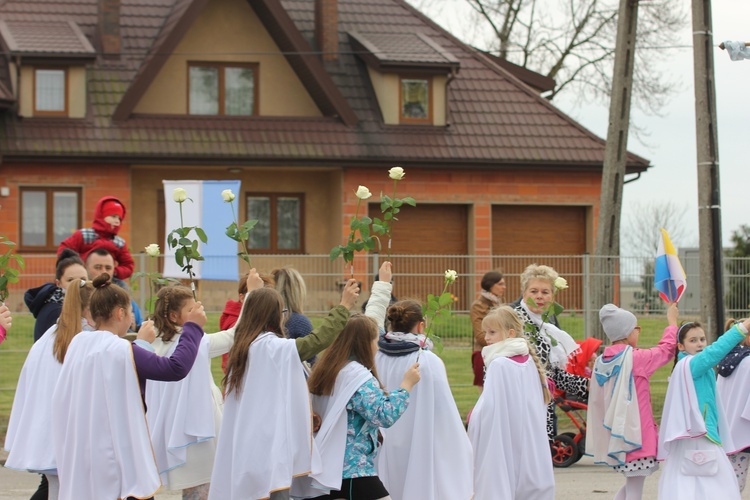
<point x="368" y="409"/>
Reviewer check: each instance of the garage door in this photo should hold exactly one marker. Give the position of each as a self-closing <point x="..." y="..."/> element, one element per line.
<point x="558" y="232"/>
<point x="438" y="230"/>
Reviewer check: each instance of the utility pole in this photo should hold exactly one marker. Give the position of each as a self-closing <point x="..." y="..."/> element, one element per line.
<point x="709" y="199"/>
<point x="606" y="257"/>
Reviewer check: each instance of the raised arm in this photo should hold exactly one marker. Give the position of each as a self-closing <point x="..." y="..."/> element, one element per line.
<point x="333" y="324"/>
<point x="647" y="361"/>
<point x="175" y="367"/>
<point x="219" y="343"/>
<point x="380" y="296"/>
<point x="712" y="354"/>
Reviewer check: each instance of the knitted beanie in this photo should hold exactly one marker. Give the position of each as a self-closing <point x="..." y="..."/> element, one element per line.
<point x="617" y="323"/>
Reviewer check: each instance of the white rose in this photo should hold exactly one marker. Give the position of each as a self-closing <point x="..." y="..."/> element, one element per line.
<point x="179" y="195"/>
<point x="153" y="250"/>
<point x="450" y="276"/>
<point x="396" y="173"/>
<point x="363" y="193"/>
<point x="227" y="195"/>
<point x="560" y="283"/>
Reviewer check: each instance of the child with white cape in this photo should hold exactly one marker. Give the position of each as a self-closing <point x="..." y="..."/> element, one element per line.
<point x="733" y="387"/>
<point x="426" y="454"/>
<point x="353" y="405"/>
<point x="266" y="436"/>
<point x="508" y="424"/>
<point x="694" y="439"/>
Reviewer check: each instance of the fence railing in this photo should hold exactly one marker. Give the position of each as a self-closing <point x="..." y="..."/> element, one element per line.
<point x="417" y="275"/>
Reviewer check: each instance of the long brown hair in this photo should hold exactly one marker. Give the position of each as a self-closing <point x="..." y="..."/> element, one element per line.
<point x="169" y="299"/>
<point x="353" y="344"/>
<point x="261" y="313"/>
<point x="69" y="324"/>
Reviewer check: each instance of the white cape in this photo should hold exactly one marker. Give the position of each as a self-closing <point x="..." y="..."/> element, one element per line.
<point x="330" y="439"/>
<point x="426" y="453"/>
<point x="30" y="427"/>
<point x="694" y="466"/>
<point x="99" y="428"/>
<point x="613" y="417"/>
<point x="509" y="435"/>
<point x="734" y="395"/>
<point x="266" y="436"/>
<point x="181" y="414"/>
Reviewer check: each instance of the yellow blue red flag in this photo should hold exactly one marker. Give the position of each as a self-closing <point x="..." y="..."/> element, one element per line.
<point x="669" y="276"/>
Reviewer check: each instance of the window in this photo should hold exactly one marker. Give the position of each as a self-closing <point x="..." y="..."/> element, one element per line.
<point x="48" y="216"/>
<point x="50" y="92"/>
<point x="222" y="89"/>
<point x="280" y="227"/>
<point x="416" y="100"/>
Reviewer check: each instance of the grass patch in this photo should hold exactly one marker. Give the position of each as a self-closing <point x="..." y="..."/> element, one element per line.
<point x="456" y="335"/>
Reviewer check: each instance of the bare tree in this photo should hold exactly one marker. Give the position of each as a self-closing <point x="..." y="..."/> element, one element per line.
<point x="573" y="42"/>
<point x="640" y="236"/>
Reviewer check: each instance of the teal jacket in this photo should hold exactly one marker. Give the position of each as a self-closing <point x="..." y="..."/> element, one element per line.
<point x="704" y="378"/>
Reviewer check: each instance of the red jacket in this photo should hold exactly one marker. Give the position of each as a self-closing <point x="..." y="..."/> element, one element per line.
<point x="226" y="321"/>
<point x="102" y="235"/>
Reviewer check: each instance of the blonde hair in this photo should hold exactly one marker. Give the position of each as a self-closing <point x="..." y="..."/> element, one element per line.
<point x="291" y="286"/>
<point x="537" y="272"/>
<point x="505" y="319"/>
<point x="77" y="297"/>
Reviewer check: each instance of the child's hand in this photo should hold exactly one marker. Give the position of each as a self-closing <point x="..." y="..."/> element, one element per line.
<point x="197" y="315"/>
<point x="253" y="281"/>
<point x="350" y="294"/>
<point x="411" y="377"/>
<point x="5" y="318"/>
<point x="672" y="314"/>
<point x="147" y="331"/>
<point x="385" y="273"/>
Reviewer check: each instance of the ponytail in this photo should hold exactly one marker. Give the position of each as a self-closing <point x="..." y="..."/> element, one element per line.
<point x="69" y="324"/>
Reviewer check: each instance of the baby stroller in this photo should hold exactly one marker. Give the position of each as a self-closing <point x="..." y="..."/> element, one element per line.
<point x="568" y="447"/>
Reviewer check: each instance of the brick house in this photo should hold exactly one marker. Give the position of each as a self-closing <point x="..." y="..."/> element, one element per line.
<point x="302" y="100"/>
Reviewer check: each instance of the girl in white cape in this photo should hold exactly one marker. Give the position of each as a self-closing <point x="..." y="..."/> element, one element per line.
<point x="733" y="386"/>
<point x="185" y="417"/>
<point x="353" y="405"/>
<point x="99" y="431"/>
<point x="508" y="426"/>
<point x="266" y="436"/>
<point x="30" y="428"/>
<point x="426" y="453"/>
<point x="694" y="438"/>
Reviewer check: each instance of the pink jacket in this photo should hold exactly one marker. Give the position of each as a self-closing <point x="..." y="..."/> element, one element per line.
<point x="645" y="363"/>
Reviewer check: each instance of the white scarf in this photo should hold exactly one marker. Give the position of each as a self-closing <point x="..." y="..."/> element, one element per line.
<point x="413" y="338"/>
<point x="558" y="356"/>
<point x="507" y="348"/>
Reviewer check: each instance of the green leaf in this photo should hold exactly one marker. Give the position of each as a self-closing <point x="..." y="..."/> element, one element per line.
<point x="370" y="243"/>
<point x="530" y="302"/>
<point x="201" y="234"/>
<point x="556" y="309"/>
<point x="387" y="216"/>
<point x="335" y="252"/>
<point x="445" y="299"/>
<point x="353" y="224"/>
<point x="433" y="304"/>
<point x="409" y="201"/>
<point x="445" y="313"/>
<point x="384" y="206"/>
<point x="397" y="203"/>
<point x="364" y="231"/>
<point x="179" y="256"/>
<point x="437" y="344"/>
<point x="365" y="220"/>
<point x="185" y="242"/>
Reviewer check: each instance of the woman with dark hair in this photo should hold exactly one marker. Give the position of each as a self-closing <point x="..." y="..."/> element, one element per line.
<point x="491" y="295"/>
<point x="45" y="302"/>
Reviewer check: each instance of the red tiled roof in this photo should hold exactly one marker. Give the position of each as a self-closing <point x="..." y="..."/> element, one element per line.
<point x="495" y="120"/>
<point x="45" y="38"/>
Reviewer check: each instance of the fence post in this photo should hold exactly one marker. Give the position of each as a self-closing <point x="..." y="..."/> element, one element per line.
<point x="586" y="295"/>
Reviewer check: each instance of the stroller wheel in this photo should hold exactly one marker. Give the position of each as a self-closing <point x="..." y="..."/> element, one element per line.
<point x="564" y="451"/>
<point x="581" y="444"/>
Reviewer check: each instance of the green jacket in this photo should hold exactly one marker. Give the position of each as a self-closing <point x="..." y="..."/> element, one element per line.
<point x="320" y="338"/>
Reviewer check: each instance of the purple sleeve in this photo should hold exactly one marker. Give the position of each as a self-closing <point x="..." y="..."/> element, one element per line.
<point x="175" y="367"/>
<point x="2" y="334"/>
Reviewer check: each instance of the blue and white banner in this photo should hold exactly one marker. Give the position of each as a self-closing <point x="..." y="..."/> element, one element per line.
<point x="211" y="213"/>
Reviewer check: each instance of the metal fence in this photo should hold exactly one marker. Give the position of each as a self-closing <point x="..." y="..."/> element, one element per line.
<point x="417" y="275"/>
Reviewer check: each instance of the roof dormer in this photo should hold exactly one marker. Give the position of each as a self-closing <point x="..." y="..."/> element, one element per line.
<point x="409" y="74"/>
<point x="47" y="67"/>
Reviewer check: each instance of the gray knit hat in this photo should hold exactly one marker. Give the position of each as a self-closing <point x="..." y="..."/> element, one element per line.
<point x="617" y="323"/>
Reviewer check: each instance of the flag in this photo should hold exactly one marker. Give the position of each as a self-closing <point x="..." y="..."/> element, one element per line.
<point x="212" y="214"/>
<point x="669" y="277"/>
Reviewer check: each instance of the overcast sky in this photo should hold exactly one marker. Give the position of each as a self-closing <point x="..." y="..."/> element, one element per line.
<point x="671" y="141"/>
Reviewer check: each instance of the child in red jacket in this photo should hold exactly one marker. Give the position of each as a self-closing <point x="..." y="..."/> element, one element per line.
<point x="108" y="217"/>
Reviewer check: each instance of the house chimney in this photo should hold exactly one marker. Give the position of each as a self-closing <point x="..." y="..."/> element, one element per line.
<point x="108" y="28"/>
<point x="327" y="28"/>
